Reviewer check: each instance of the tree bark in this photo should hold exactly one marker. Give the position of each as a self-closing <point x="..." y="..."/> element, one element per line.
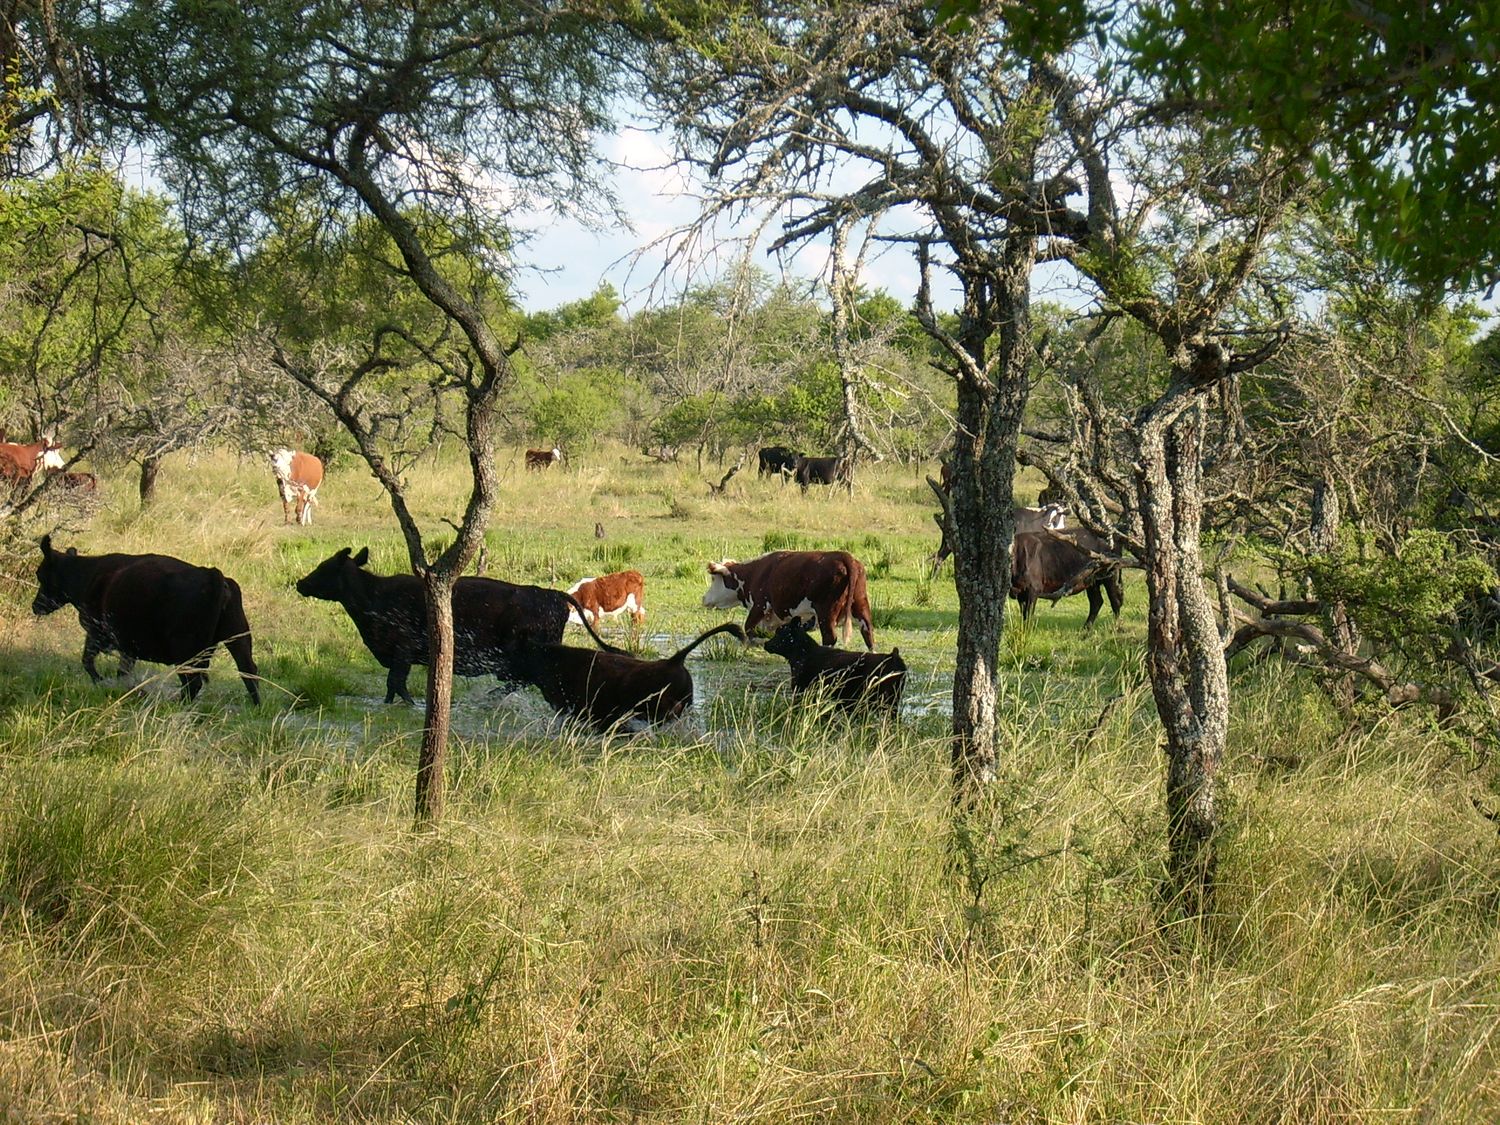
<point x="1185" y="657"/>
<point x="150" y="466"/>
<point x="437" y="587"/>
<point x="984" y="460"/>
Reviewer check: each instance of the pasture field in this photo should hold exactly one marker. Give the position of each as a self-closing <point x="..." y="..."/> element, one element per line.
<point x="212" y="913"/>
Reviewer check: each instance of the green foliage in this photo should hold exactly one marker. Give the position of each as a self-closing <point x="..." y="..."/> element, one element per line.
<point x="1395" y="98"/>
<point x="577" y="408"/>
<point x="1408" y="597"/>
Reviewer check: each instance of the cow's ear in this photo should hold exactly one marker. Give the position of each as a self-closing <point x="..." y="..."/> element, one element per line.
<point x="47" y="544"/>
<point x="363" y="556"/>
<point x="72" y="551"/>
<point x="344" y="552"/>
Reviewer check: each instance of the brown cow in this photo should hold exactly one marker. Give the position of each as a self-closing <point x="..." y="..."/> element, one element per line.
<point x="539" y="459"/>
<point x="827" y="586"/>
<point x="19" y="463"/>
<point x="609" y="687"/>
<point x="622" y="592"/>
<point x="298" y="476"/>
<point x="149" y="607"/>
<point x="1053" y="565"/>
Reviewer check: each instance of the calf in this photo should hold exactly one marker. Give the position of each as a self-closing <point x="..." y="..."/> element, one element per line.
<point x="298" y="476"/>
<point x="827" y="586"/>
<point x="539" y="459"/>
<point x="149" y="607"/>
<point x="849" y="677"/>
<point x="778" y="459"/>
<point x="824" y="470"/>
<point x="390" y="612"/>
<point x="623" y="592"/>
<point x="1053" y="565"/>
<point x="80" y="482"/>
<point x="607" y="688"/>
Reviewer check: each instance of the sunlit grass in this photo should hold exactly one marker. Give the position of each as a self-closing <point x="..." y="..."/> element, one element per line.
<point x="219" y="913"/>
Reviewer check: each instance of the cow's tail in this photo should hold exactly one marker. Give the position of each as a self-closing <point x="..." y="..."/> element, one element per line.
<point x="583" y="620"/>
<point x="681" y="654"/>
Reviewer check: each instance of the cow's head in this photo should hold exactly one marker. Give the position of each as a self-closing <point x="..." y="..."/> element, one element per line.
<point x="51" y="588"/>
<point x="725" y="590"/>
<point x="281" y="463"/>
<point x="52" y="457"/>
<point x="330" y="578"/>
<point x="792" y="638"/>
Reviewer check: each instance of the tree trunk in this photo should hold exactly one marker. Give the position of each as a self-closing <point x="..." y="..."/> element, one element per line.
<point x="984" y="463"/>
<point x="437" y="588"/>
<point x="1341" y="628"/>
<point x="1185" y="657"/>
<point x="150" y="466"/>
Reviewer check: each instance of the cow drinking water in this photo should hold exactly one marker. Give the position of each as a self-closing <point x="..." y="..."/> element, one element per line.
<point x="149" y="607"/>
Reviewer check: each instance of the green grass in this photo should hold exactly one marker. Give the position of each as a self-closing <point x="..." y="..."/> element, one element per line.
<point x="215" y="913"/>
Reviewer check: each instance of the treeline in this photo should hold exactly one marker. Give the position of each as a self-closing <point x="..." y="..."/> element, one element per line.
<point x="128" y="342"/>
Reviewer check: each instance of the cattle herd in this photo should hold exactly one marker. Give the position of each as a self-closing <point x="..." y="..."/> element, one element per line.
<point x="166" y="611"/>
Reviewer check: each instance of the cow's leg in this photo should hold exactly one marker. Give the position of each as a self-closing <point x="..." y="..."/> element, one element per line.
<point x="92" y="647"/>
<point x="194" y="675"/>
<point x="1096" y="599"/>
<point x="395" y="683"/>
<point x="825" y="627"/>
<point x="757" y="615"/>
<point x="1116" y="591"/>
<point x="241" y="649"/>
<point x="127" y="666"/>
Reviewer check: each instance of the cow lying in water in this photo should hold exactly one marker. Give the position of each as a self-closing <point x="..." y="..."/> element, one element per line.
<point x="849" y="677"/>
<point x="607" y="688"/>
<point x="390" y="612"/>
<point x="149" y="607"/>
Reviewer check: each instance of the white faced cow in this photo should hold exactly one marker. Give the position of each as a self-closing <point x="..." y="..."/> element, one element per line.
<point x="297" y="478"/>
<point x="825" y="586"/>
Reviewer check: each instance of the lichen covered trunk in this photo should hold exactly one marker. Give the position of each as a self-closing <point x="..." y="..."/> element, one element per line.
<point x="1185" y="656"/>
<point x="983" y="523"/>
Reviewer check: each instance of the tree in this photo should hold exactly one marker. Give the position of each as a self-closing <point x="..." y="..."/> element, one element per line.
<point x="843" y="116"/>
<point x="437" y="120"/>
<point x="1395" y="100"/>
<point x="1179" y="224"/>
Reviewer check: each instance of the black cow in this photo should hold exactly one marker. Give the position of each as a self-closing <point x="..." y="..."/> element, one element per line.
<point x="149" y="607"/>
<point x="778" y="459"/>
<point x="1047" y="565"/>
<point x="609" y="687"/>
<point x="824" y="470"/>
<point x="850" y="677"/>
<point x="390" y="612"/>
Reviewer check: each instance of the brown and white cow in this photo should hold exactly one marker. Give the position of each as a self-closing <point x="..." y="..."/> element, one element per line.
<point x="539" y="459"/>
<point x="608" y="595"/>
<point x="19" y="463"/>
<point x="826" y="586"/>
<point x="298" y="476"/>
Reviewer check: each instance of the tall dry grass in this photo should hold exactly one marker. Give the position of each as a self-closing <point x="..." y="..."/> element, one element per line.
<point x="209" y="913"/>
